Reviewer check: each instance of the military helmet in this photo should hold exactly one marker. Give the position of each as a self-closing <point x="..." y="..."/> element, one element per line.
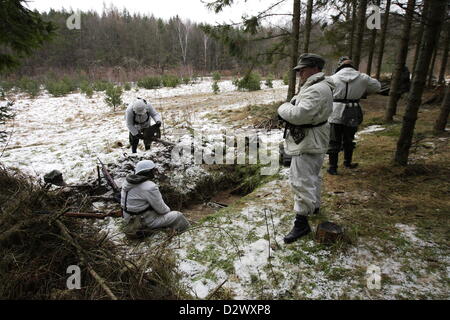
<point x="144" y="165"/>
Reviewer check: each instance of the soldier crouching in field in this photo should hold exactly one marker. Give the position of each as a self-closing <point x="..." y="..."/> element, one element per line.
<point x="143" y="206"/>
<point x="306" y="138"/>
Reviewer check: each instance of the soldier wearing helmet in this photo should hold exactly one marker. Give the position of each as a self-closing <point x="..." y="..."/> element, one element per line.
<point x="143" y="206"/>
<point x="138" y="119"/>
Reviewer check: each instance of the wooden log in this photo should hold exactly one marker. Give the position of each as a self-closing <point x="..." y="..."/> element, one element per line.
<point x="93" y="215"/>
<point x="328" y="233"/>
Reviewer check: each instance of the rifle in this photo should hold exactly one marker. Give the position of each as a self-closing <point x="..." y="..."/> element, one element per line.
<point x="108" y="177"/>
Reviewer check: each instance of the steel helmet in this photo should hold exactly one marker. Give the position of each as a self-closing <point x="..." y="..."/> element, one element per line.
<point x="144" y="165"/>
<point x="139" y="106"/>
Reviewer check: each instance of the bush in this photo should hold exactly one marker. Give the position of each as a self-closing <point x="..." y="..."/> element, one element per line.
<point x="113" y="96"/>
<point x="58" y="88"/>
<point x="215" y="87"/>
<point x="186" y="80"/>
<point x="269" y="81"/>
<point x="250" y="82"/>
<point x="101" y="85"/>
<point x="127" y="86"/>
<point x="32" y="87"/>
<point x="170" y="81"/>
<point x="6" y="86"/>
<point x="216" y="76"/>
<point x="86" y="88"/>
<point x="149" y="82"/>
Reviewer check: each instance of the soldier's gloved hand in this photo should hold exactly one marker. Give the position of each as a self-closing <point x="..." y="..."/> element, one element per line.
<point x="158" y="123"/>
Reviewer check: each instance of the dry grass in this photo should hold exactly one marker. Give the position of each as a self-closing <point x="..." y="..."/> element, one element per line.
<point x="36" y="251"/>
<point x="417" y="194"/>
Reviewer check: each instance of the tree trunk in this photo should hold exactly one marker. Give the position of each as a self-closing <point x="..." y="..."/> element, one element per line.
<point x="294" y="49"/>
<point x="352" y="32"/>
<point x="423" y="21"/>
<point x="360" y="32"/>
<point x="437" y="12"/>
<point x="444" y="58"/>
<point x="433" y="62"/>
<point x="372" y="46"/>
<point x="441" y="79"/>
<point x="394" y="93"/>
<point x="383" y="39"/>
<point x="308" y="25"/>
<point x="442" y="119"/>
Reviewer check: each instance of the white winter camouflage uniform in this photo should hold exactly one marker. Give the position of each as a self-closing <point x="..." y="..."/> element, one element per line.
<point x="142" y="193"/>
<point x="358" y="84"/>
<point x="140" y="119"/>
<point x="313" y="105"/>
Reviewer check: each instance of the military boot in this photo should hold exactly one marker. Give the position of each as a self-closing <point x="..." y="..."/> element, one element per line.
<point x="333" y="160"/>
<point x="301" y="228"/>
<point x="348" y="155"/>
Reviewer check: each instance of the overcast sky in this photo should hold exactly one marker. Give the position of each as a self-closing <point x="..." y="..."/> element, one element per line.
<point x="194" y="10"/>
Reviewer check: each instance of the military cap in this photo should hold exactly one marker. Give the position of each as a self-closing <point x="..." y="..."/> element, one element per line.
<point x="310" y="60"/>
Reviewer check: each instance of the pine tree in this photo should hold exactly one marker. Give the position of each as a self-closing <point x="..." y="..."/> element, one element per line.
<point x="436" y="16"/>
<point x="21" y="31"/>
<point x="383" y="39"/>
<point x="402" y="53"/>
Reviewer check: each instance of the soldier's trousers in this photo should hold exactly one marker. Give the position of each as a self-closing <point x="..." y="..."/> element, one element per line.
<point x="134" y="141"/>
<point x="341" y="137"/>
<point x="306" y="182"/>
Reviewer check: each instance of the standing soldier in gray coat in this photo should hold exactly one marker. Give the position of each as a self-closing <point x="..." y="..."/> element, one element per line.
<point x="347" y="115"/>
<point x="138" y="119"/>
<point x="307" y="137"/>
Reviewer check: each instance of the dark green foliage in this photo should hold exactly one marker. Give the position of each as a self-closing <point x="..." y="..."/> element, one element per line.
<point x="170" y="81"/>
<point x="86" y="88"/>
<point x="30" y="86"/>
<point x="5" y="115"/>
<point x="127" y="86"/>
<point x="250" y="82"/>
<point x="216" y="76"/>
<point x="113" y="96"/>
<point x="186" y="80"/>
<point x="215" y="87"/>
<point x="101" y="85"/>
<point x="269" y="81"/>
<point x="149" y="82"/>
<point x="60" y="88"/>
<point x="6" y="86"/>
<point x="22" y="31"/>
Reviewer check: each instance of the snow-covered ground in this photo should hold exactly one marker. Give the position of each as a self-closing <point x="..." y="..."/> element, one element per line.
<point x="242" y="246"/>
<point x="68" y="133"/>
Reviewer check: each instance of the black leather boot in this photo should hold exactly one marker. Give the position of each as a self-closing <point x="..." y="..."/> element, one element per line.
<point x="301" y="228"/>
<point x="348" y="155"/>
<point x="333" y="159"/>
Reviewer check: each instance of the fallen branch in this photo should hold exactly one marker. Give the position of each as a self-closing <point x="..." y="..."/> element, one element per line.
<point x="94" y="274"/>
<point x="93" y="215"/>
<point x="216" y="289"/>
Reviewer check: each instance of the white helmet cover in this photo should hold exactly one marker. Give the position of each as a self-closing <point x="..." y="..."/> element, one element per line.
<point x="144" y="165"/>
<point x="139" y="106"/>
